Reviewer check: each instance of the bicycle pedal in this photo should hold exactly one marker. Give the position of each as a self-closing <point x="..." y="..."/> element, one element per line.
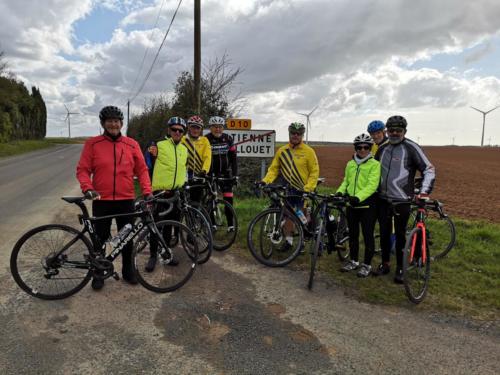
<point x="115" y="276"/>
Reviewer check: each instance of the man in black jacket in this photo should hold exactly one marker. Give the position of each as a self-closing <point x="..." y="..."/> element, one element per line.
<point x="400" y="159"/>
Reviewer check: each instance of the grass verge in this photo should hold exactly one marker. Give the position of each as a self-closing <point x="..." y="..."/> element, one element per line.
<point x="21" y="147"/>
<point x="465" y="283"/>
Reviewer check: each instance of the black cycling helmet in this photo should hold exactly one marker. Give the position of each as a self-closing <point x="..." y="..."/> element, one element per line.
<point x="110" y="112"/>
<point x="297" y="127"/>
<point x="396" y="122"/>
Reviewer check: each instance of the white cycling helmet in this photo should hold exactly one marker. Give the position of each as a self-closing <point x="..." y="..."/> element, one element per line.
<point x="363" y="138"/>
<point x="217" y="120"/>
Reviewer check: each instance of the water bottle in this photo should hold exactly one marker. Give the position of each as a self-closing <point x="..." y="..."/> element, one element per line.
<point x="301" y="216"/>
<point x="122" y="234"/>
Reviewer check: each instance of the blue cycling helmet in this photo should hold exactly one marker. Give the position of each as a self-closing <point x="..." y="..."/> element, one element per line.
<point x="177" y="121"/>
<point x="375" y="126"/>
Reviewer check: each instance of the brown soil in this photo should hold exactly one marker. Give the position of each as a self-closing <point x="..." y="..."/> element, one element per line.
<point x="467" y="178"/>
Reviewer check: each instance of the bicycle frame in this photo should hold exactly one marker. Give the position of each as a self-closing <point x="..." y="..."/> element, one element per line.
<point x="421" y="225"/>
<point x="88" y="227"/>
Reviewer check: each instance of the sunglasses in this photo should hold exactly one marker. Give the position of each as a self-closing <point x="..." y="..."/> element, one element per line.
<point x="359" y="148"/>
<point x="395" y="130"/>
<point x="295" y="133"/>
<point x="176" y="130"/>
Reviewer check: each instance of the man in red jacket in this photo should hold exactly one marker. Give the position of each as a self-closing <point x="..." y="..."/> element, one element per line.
<point x="106" y="171"/>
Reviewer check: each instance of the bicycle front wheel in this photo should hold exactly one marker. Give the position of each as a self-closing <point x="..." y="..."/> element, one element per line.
<point x="266" y="237"/>
<point x="51" y="261"/>
<point x="173" y="266"/>
<point x="338" y="232"/>
<point x="224" y="224"/>
<point x="416" y="266"/>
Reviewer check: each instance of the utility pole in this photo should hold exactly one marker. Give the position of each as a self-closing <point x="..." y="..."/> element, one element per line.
<point x="453" y="141"/>
<point x="484" y="120"/>
<point x="68" y="117"/>
<point x="197" y="55"/>
<point x="128" y="112"/>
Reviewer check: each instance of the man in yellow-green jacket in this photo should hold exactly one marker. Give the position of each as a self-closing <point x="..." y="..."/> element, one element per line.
<point x="361" y="180"/>
<point x="169" y="173"/>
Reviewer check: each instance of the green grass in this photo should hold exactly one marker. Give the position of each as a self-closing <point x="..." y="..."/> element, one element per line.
<point x="465" y="283"/>
<point x="21" y="147"/>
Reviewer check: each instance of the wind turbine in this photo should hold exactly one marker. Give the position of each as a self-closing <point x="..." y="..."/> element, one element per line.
<point x="484" y="120"/>
<point x="68" y="117"/>
<point x="308" y="123"/>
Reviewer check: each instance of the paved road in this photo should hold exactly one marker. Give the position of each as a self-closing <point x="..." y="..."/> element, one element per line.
<point x="233" y="317"/>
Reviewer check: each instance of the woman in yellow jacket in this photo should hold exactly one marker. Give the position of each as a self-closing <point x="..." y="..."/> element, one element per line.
<point x="361" y="180"/>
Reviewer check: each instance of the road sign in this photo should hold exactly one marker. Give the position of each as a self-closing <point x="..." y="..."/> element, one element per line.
<point x="239" y="124"/>
<point x="254" y="143"/>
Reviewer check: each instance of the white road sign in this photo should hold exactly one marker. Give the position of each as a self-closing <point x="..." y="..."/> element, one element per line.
<point x="254" y="143"/>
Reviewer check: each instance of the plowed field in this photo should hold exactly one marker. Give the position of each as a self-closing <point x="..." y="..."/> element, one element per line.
<point x="467" y="178"/>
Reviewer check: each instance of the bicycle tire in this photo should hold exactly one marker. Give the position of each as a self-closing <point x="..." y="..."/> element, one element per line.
<point x="341" y="235"/>
<point x="223" y="237"/>
<point x="167" y="278"/>
<point x="273" y="257"/>
<point x="195" y="220"/>
<point x="42" y="243"/>
<point x="443" y="230"/>
<point x="450" y="225"/>
<point x="315" y="253"/>
<point x="416" y="272"/>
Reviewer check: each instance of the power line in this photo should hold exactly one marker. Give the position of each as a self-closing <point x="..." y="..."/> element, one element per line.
<point x="157" y="53"/>
<point x="147" y="49"/>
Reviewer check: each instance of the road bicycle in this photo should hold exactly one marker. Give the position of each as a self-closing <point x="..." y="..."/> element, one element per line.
<point x="323" y="230"/>
<point x="221" y="213"/>
<point x="267" y="232"/>
<point x="55" y="261"/>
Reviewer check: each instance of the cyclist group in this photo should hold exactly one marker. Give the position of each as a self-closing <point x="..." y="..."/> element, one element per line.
<point x="382" y="170"/>
<point x="109" y="162"/>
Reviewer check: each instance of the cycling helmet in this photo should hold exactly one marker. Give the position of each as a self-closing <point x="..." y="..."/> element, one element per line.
<point x="195" y="120"/>
<point x="176" y="121"/>
<point x="297" y="127"/>
<point x="396" y="122"/>
<point x="363" y="139"/>
<point x="217" y="120"/>
<point x="375" y="126"/>
<point x="110" y="112"/>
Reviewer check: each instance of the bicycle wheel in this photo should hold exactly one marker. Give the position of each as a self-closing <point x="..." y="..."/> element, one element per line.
<point x="443" y="234"/>
<point x="339" y="232"/>
<point x="416" y="270"/>
<point x="315" y="253"/>
<point x="42" y="270"/>
<point x="166" y="276"/>
<point x="224" y="224"/>
<point x="266" y="238"/>
<point x="198" y="223"/>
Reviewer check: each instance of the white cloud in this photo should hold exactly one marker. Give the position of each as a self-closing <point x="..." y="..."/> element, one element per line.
<point x="351" y="58"/>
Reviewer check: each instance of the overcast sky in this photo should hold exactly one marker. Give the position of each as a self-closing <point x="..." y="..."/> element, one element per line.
<point x="358" y="60"/>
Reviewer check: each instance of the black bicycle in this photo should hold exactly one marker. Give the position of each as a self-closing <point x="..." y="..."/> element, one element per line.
<point x="326" y="228"/>
<point x="267" y="232"/>
<point x="55" y="261"/>
<point x="220" y="213"/>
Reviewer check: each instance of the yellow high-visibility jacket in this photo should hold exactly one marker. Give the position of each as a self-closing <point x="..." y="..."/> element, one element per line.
<point x="297" y="165"/>
<point x="170" y="167"/>
<point x="199" y="154"/>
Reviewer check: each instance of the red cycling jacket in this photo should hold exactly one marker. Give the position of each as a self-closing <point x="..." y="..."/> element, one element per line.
<point x="109" y="166"/>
